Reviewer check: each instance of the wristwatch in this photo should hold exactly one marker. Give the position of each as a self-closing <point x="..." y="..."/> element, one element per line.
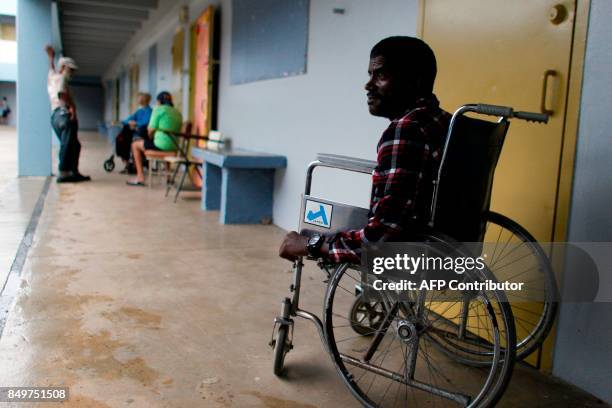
<point x="314" y="245"/>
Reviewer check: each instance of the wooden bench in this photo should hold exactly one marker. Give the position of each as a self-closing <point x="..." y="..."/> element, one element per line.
<point x="239" y="183"/>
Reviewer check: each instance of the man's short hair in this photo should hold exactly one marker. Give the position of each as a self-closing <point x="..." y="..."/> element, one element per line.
<point x="410" y="56"/>
<point x="146" y="95"/>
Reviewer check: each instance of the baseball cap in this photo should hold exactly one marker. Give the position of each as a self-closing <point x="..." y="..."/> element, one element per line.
<point x="66" y="61"/>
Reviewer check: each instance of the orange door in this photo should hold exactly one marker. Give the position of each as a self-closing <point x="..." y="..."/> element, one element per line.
<point x="202" y="72"/>
<point x="177" y="68"/>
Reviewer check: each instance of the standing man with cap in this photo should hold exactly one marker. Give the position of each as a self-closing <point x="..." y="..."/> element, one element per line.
<point x="64" y="117"/>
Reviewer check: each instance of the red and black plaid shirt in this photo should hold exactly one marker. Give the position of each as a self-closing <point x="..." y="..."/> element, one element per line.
<point x="408" y="156"/>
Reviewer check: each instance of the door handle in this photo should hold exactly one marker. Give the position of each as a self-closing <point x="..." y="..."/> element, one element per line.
<point x="547" y="74"/>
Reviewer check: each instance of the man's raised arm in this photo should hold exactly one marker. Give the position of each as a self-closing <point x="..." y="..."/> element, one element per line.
<point x="51" y="54"/>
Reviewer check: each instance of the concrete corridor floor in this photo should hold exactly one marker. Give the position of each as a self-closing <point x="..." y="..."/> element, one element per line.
<point x="134" y="301"/>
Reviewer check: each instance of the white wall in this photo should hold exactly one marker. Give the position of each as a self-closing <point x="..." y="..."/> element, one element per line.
<point x="8" y="60"/>
<point x="322" y="111"/>
<point x="123" y="94"/>
<point x="8" y="89"/>
<point x="143" y="72"/>
<point x="8" y="7"/>
<point x="164" y="62"/>
<point x="582" y="354"/>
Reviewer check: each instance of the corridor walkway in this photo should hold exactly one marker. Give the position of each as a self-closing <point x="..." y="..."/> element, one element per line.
<point x="133" y="301"/>
<point x="18" y="196"/>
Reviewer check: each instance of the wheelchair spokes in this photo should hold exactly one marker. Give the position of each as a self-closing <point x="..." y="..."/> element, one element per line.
<point x="517" y="257"/>
<point x="398" y="363"/>
<point x="366" y="317"/>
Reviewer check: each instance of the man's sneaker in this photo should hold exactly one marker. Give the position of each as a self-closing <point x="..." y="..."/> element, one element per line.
<point x="65" y="179"/>
<point x="79" y="177"/>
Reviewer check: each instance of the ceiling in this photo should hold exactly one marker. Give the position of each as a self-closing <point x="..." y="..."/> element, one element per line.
<point x="95" y="31"/>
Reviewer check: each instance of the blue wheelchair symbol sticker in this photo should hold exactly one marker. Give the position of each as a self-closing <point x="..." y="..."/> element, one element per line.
<point x="317" y="213"/>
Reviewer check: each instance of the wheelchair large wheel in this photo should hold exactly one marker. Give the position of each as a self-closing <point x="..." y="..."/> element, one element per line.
<point x="516" y="257"/>
<point x="519" y="258"/>
<point x="399" y="364"/>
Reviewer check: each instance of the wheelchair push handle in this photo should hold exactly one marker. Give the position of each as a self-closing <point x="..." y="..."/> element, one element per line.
<point x="508" y="112"/>
<point x="532" y="116"/>
<point x="494" y="110"/>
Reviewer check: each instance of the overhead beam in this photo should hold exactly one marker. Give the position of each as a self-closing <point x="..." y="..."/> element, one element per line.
<point x="91" y="53"/>
<point x="68" y="25"/>
<point x="93" y="64"/>
<point x="90" y="56"/>
<point x="87" y="65"/>
<point x="108" y="22"/>
<point x="132" y="4"/>
<point x="118" y="13"/>
<point x="98" y="53"/>
<point x="94" y="39"/>
<point x="94" y="71"/>
<point x="101" y="52"/>
<point x="96" y="34"/>
<point x="88" y="47"/>
<point x="91" y="48"/>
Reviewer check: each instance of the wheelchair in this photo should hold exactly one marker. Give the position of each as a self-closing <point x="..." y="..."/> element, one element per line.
<point x="417" y="349"/>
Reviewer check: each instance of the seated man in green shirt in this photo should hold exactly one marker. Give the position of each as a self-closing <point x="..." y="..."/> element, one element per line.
<point x="165" y="118"/>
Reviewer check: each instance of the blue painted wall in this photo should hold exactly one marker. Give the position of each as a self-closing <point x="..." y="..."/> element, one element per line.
<point x="583" y="355"/>
<point x="33" y="123"/>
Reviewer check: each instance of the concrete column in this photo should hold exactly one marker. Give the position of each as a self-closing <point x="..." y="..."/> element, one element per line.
<point x="33" y="111"/>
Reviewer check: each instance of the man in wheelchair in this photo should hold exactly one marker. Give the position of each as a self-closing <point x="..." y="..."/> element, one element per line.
<point x="401" y="73"/>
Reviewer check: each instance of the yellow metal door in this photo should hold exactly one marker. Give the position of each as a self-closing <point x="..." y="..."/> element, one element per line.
<point x="518" y="54"/>
<point x="501" y="52"/>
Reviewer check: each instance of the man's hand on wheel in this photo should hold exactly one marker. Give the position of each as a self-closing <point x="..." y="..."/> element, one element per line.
<point x="293" y="246"/>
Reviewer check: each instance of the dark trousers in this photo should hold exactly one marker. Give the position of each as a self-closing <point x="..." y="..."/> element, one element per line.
<point x="123" y="142"/>
<point x="66" y="130"/>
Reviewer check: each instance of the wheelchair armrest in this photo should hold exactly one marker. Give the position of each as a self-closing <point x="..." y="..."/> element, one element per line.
<point x="347" y="162"/>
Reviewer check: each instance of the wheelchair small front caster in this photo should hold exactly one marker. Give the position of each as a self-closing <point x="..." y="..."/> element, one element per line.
<point x="109" y="164"/>
<point x="282" y="341"/>
<point x="282" y="345"/>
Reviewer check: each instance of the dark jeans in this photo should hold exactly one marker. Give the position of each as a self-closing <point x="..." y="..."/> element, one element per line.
<point x="66" y="130"/>
<point x="123" y="142"/>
